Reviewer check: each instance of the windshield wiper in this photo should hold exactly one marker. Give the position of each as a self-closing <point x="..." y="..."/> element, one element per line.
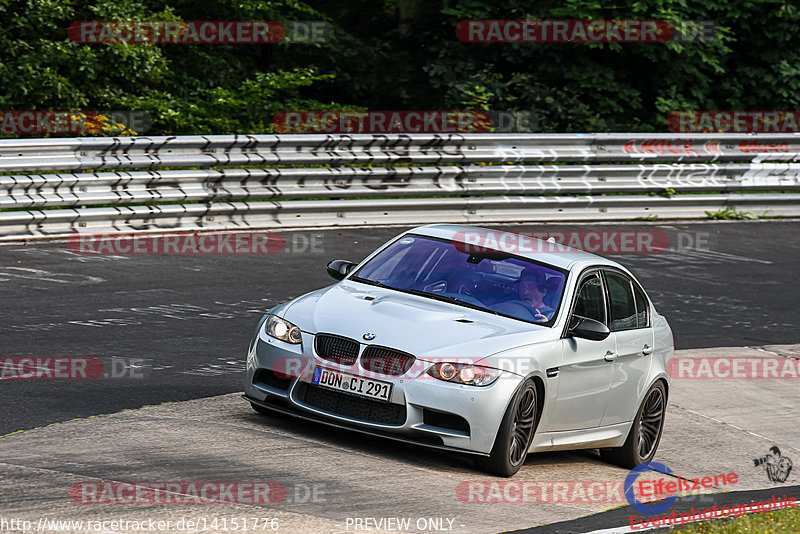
<point x="367" y="281"/>
<point x="434" y="296"/>
<point x="445" y="298"/>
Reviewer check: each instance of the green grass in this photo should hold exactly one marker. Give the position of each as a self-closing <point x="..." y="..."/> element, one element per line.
<point x="730" y="213"/>
<point x="778" y="522"/>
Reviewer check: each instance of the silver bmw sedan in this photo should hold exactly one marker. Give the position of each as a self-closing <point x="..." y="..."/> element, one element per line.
<point x="475" y="341"/>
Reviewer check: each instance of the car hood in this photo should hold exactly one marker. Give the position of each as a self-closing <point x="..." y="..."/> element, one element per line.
<point x="427" y="328"/>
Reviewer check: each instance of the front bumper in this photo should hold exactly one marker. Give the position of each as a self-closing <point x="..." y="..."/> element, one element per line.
<point x="421" y="409"/>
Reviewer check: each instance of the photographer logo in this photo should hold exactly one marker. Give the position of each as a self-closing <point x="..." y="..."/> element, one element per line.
<point x="777" y="466"/>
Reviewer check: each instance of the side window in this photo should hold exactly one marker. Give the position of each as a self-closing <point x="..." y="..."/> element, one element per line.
<point x="642" y="310"/>
<point x="591" y="302"/>
<point x="623" y="306"/>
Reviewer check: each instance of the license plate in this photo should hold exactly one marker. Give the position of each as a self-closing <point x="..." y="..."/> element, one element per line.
<point x="364" y="387"/>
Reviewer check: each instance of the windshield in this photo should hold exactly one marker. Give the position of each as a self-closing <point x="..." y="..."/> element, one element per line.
<point x="495" y="282"/>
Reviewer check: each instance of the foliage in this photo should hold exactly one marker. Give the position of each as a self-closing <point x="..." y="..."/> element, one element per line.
<point x="401" y="54"/>
<point x="730" y="213"/>
<point x="778" y="522"/>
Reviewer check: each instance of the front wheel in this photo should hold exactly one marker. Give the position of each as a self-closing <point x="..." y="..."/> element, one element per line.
<point x="515" y="434"/>
<point x="645" y="433"/>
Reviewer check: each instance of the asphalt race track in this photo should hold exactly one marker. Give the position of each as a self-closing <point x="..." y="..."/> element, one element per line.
<point x="187" y="319"/>
<point x="332" y="479"/>
<point x="190" y="317"/>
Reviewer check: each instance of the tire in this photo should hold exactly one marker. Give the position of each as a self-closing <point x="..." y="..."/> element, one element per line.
<point x="260" y="409"/>
<point x="515" y="434"/>
<point x="645" y="433"/>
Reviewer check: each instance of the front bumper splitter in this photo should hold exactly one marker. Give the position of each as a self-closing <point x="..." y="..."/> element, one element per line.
<point x="308" y="416"/>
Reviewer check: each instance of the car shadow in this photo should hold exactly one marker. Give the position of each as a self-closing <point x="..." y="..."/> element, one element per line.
<point x="417" y="455"/>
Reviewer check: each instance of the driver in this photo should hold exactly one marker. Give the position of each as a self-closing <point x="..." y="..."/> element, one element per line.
<point x="532" y="289"/>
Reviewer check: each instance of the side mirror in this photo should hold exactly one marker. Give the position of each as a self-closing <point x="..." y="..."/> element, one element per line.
<point x="588" y="329"/>
<point x="338" y="269"/>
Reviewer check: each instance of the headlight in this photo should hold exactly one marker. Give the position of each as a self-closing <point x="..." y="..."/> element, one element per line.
<point x="283" y="330"/>
<point x="464" y="373"/>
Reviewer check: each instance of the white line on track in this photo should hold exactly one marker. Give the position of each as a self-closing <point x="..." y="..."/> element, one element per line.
<point x="736" y="427"/>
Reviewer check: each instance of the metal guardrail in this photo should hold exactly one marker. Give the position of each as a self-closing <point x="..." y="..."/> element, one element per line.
<point x="60" y="186"/>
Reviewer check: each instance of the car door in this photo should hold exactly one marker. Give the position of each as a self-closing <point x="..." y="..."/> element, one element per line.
<point x="631" y="328"/>
<point x="584" y="376"/>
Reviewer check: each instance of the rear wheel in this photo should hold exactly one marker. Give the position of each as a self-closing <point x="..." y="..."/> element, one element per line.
<point x="515" y="434"/>
<point x="645" y="433"/>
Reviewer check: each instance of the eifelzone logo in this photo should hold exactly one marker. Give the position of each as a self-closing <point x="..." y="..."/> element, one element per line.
<point x="667" y="488"/>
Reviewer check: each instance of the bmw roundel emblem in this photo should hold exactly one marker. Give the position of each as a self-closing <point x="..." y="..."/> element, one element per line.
<point x="369" y="336"/>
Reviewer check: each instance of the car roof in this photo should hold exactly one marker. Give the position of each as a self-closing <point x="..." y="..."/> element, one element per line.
<point x="565" y="258"/>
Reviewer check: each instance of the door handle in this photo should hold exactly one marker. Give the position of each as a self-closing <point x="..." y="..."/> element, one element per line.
<point x="647" y="350"/>
<point x="610" y="356"/>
